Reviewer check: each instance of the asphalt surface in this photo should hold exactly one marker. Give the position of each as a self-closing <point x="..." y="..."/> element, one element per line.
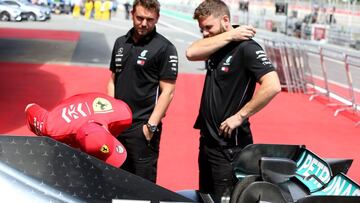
<point x="96" y="41"/>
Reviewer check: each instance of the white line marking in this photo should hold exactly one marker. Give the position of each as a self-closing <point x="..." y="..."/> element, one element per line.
<point x="180" y="30"/>
<point x="337" y="83"/>
<point x="336" y="97"/>
<point x="180" y="40"/>
<point x="106" y="24"/>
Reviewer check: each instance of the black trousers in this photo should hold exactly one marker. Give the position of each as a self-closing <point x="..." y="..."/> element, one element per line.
<point x="216" y="170"/>
<point x="142" y="155"/>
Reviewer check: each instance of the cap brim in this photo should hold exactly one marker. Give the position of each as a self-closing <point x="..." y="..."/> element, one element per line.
<point x="118" y="154"/>
<point x="95" y="140"/>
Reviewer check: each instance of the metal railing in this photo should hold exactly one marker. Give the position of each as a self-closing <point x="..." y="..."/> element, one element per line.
<point x="296" y="62"/>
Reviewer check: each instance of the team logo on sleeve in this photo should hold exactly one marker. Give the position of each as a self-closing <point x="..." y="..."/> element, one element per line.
<point x="173" y="60"/>
<point x="101" y="105"/>
<point x="261" y="56"/>
<point x="118" y="59"/>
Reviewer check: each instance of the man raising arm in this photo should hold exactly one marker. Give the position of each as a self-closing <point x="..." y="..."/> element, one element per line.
<point x="234" y="65"/>
<point x="200" y="50"/>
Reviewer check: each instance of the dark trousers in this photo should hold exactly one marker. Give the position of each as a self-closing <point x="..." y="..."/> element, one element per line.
<point x="142" y="156"/>
<point x="216" y="171"/>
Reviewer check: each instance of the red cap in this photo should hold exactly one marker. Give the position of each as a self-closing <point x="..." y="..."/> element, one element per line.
<point x="97" y="141"/>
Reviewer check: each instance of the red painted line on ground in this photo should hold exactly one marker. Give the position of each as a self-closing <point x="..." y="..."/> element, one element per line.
<point x="13" y="33"/>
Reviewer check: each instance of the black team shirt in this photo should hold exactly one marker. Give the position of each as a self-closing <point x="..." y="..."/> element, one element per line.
<point x="232" y="73"/>
<point x="138" y="68"/>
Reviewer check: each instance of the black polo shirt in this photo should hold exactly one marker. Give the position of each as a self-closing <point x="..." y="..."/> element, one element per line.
<point x="138" y="68"/>
<point x="232" y="73"/>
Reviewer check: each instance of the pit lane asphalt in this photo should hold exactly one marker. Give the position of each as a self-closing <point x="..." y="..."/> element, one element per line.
<point x="95" y="43"/>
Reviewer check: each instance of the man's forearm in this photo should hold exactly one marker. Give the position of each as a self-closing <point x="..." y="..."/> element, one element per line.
<point x="161" y="107"/>
<point x="269" y="88"/>
<point x="167" y="89"/>
<point x="203" y="48"/>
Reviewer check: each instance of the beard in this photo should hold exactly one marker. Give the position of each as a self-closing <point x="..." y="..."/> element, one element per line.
<point x="142" y="31"/>
<point x="222" y="28"/>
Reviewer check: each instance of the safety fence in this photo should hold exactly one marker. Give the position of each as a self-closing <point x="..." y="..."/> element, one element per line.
<point x="312" y="69"/>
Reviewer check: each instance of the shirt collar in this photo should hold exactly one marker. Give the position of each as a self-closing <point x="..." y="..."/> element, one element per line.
<point x="143" y="40"/>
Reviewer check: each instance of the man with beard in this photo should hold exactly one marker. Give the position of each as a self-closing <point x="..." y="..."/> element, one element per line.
<point x="144" y="67"/>
<point x="235" y="63"/>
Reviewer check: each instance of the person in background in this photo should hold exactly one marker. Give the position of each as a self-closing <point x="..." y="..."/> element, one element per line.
<point x="313" y="16"/>
<point x="89" y="5"/>
<point x="106" y="9"/>
<point x="67" y="6"/>
<point x="321" y="18"/>
<point x="114" y="8"/>
<point x="77" y="8"/>
<point x="235" y="63"/>
<point x="97" y="9"/>
<point x="330" y="20"/>
<point x="144" y="66"/>
<point x="50" y="3"/>
<point x="127" y="10"/>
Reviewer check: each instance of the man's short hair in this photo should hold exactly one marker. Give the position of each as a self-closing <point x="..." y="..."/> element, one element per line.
<point x="215" y="8"/>
<point x="148" y="4"/>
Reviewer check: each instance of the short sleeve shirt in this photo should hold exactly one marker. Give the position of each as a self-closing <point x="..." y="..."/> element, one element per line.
<point x="232" y="73"/>
<point x="138" y="68"/>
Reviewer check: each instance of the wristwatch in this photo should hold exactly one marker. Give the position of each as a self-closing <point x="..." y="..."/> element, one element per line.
<point x="152" y="128"/>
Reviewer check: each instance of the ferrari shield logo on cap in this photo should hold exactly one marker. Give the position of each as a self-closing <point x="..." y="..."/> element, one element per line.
<point x="101" y="105"/>
<point x="104" y="149"/>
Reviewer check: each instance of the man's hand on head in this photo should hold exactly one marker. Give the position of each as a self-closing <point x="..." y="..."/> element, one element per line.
<point x="244" y="32"/>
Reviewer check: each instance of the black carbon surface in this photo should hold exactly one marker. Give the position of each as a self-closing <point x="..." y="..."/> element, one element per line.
<point x="54" y="172"/>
